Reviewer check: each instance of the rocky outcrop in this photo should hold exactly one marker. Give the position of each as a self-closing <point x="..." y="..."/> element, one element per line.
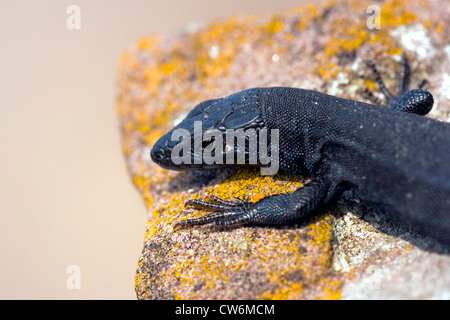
<point x="347" y="251"/>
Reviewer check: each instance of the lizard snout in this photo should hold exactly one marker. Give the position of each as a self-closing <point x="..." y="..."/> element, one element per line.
<point x="157" y="154"/>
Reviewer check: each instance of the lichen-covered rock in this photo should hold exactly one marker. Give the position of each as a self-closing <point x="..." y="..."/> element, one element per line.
<point x="347" y="251"/>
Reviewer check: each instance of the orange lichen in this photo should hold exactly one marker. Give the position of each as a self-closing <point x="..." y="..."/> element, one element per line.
<point x="346" y="39"/>
<point x="370" y="84"/>
<point x="275" y="25"/>
<point x="284" y="293"/>
<point x="225" y="40"/>
<point x="348" y="35"/>
<point x="328" y="71"/>
<point x="308" y="13"/>
<point x="147" y="43"/>
<point x="439" y="27"/>
<point x="332" y="290"/>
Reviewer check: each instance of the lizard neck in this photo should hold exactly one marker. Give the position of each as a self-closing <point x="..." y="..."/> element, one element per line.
<point x="288" y="110"/>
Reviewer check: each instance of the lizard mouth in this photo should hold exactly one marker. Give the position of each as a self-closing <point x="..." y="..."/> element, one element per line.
<point x="216" y="148"/>
<point x="182" y="155"/>
<point x="189" y="154"/>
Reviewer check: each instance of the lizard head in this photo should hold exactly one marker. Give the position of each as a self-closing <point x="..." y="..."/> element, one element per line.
<point x="203" y="139"/>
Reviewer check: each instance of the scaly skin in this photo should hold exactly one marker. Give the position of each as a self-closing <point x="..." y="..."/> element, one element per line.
<point x="390" y="158"/>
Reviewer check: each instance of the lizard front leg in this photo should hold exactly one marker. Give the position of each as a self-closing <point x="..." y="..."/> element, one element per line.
<point x="272" y="210"/>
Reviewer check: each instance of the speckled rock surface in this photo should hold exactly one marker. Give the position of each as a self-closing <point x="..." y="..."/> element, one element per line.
<point x="347" y="251"/>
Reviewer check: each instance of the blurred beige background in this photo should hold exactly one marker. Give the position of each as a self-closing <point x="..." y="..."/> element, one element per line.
<point x="66" y="199"/>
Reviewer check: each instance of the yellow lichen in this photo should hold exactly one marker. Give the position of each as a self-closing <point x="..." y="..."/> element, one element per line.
<point x="275" y="25"/>
<point x="284" y="293"/>
<point x="308" y="13"/>
<point x="147" y="43"/>
<point x="332" y="290"/>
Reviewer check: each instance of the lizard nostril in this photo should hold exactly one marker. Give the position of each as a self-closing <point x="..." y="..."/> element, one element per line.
<point x="157" y="154"/>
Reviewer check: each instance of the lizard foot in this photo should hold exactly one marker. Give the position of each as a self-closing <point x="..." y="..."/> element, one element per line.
<point x="272" y="210"/>
<point x="226" y="212"/>
<point x="416" y="101"/>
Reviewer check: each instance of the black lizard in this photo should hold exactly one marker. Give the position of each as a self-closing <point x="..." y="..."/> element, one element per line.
<point x="390" y="158"/>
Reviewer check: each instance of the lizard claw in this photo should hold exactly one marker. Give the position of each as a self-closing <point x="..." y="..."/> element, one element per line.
<point x="271" y="210"/>
<point x="226" y="212"/>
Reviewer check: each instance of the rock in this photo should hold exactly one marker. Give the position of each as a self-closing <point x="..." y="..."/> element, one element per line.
<point x="347" y="251"/>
